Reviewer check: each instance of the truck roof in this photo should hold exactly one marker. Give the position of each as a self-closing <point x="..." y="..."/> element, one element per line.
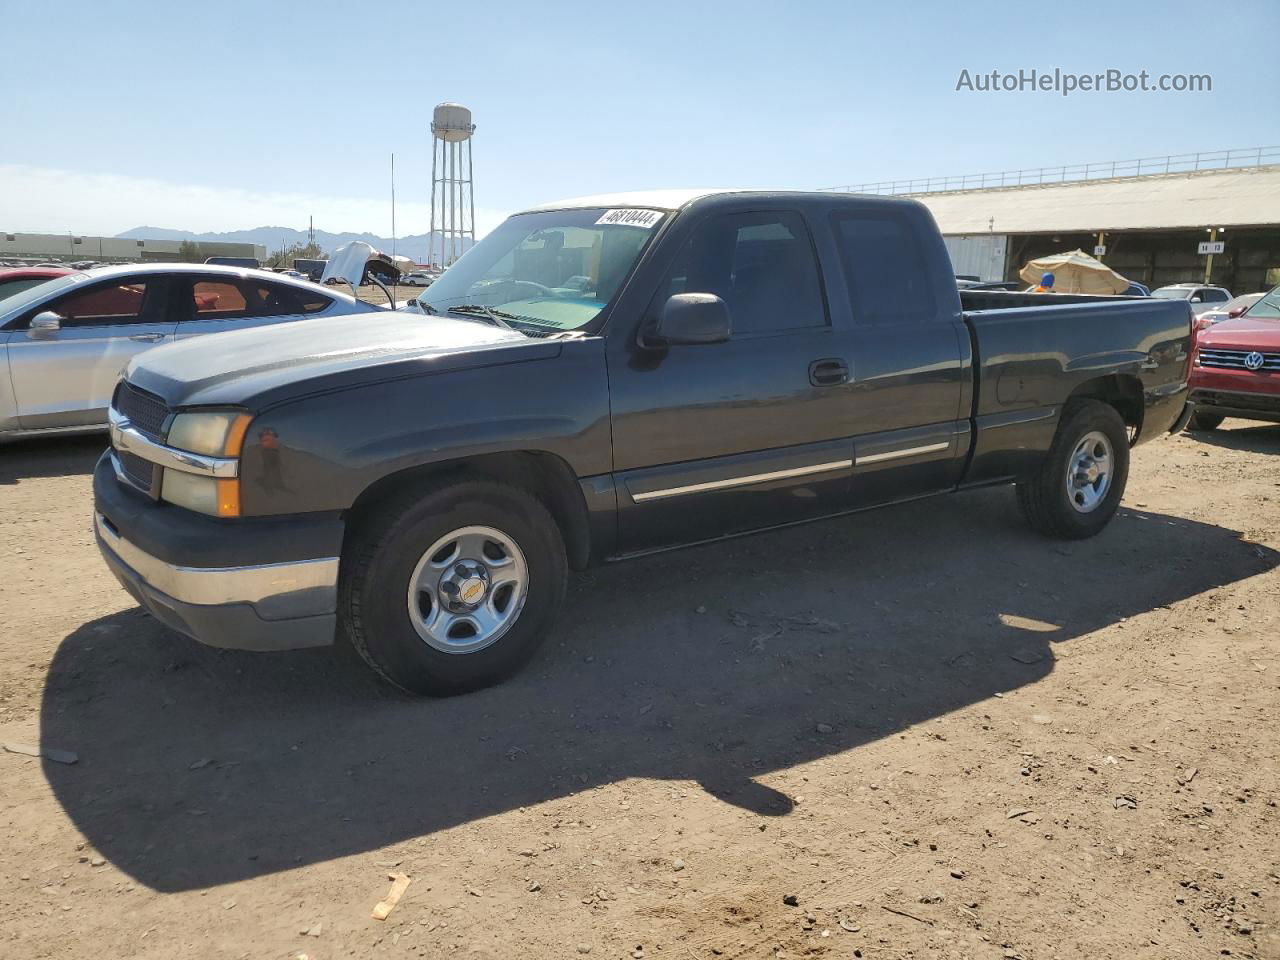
<point x="674" y="199"/>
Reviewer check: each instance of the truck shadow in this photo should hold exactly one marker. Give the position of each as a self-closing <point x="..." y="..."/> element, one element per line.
<point x="1254" y="438"/>
<point x="50" y="457"/>
<point x="201" y="767"/>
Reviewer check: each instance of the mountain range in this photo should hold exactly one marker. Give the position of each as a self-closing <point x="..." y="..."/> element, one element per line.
<point x="273" y="238"/>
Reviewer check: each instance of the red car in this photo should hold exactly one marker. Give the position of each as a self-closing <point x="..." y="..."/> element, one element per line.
<point x="1236" y="372"/>
<point x="21" y="278"/>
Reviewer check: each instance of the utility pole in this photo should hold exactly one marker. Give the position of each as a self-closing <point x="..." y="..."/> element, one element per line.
<point x="393" y="206"/>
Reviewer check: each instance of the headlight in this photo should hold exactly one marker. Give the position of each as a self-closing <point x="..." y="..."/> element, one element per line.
<point x="216" y="434"/>
<point x="188" y="490"/>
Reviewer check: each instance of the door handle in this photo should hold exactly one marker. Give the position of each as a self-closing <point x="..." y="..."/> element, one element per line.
<point x="828" y="372"/>
<point x="147" y="337"/>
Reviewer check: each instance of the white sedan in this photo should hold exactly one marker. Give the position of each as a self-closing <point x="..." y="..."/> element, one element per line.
<point x="418" y="278"/>
<point x="64" y="342"/>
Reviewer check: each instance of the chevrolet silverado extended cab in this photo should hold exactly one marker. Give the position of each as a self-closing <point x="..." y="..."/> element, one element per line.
<point x="598" y="379"/>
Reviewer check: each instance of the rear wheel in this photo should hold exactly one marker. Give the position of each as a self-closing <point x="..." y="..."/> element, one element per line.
<point x="1206" y="421"/>
<point x="1078" y="487"/>
<point x="454" y="588"/>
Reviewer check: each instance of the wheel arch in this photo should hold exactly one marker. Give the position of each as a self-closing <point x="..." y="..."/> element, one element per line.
<point x="1119" y="390"/>
<point x="544" y="475"/>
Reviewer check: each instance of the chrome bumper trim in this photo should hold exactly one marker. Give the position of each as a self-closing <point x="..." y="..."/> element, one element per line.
<point x="126" y="439"/>
<point x="280" y="590"/>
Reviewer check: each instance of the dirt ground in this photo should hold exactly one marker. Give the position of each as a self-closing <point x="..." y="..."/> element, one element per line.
<point x="929" y="731"/>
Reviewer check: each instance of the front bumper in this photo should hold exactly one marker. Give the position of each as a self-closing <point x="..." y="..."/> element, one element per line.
<point x="208" y="584"/>
<point x="1238" y="403"/>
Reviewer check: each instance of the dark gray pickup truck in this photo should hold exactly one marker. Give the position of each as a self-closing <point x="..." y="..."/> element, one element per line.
<point x="598" y="379"/>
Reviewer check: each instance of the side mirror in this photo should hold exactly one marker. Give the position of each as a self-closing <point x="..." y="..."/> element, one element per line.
<point x="1236" y="312"/>
<point x="1195" y="299"/>
<point x="46" y="321"/>
<point x="689" y="318"/>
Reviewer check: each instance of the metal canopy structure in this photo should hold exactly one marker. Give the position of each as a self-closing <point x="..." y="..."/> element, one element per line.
<point x="1224" y="198"/>
<point x="453" y="209"/>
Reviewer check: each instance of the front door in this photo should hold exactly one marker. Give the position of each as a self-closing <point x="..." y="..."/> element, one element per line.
<point x="64" y="377"/>
<point x="712" y="439"/>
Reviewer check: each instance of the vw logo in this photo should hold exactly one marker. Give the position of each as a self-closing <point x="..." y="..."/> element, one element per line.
<point x="1253" y="361"/>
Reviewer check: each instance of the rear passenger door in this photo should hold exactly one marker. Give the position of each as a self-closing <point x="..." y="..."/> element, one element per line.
<point x="211" y="303"/>
<point x="910" y="354"/>
<point x="713" y="439"/>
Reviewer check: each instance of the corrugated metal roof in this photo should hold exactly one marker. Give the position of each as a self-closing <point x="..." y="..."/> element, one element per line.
<point x="1227" y="198"/>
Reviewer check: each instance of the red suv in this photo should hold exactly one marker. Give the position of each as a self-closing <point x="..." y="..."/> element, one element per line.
<point x="1237" y="367"/>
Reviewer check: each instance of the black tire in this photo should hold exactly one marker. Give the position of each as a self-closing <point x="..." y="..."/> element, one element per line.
<point x="386" y="549"/>
<point x="1206" y="421"/>
<point x="1044" y="497"/>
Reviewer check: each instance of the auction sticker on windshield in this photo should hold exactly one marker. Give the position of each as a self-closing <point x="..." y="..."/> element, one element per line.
<point x="631" y="218"/>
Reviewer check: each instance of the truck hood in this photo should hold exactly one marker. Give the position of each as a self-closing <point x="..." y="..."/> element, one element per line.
<point x="1242" y="333"/>
<point x="266" y="365"/>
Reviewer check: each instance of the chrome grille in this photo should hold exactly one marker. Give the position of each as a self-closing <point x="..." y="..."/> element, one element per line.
<point x="140" y="472"/>
<point x="1234" y="359"/>
<point x="145" y="411"/>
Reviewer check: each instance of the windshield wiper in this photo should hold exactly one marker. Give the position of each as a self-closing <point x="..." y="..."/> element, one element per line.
<point x="495" y="317"/>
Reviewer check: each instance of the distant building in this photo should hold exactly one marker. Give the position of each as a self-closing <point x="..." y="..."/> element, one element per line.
<point x="70" y="248"/>
<point x="1157" y="221"/>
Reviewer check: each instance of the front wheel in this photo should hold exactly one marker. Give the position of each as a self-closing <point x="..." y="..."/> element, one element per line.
<point x="1079" y="485"/>
<point x="454" y="587"/>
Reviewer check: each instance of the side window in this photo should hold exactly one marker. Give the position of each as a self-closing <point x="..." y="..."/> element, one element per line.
<point x="1215" y="296"/>
<point x="230" y="298"/>
<point x="104" y="305"/>
<point x="216" y="299"/>
<point x="885" y="268"/>
<point x="277" y="300"/>
<point x="761" y="264"/>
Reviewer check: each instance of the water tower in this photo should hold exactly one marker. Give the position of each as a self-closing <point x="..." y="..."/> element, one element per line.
<point x="453" y="207"/>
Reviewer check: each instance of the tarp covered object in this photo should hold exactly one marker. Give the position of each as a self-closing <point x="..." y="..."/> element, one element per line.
<point x="1075" y="272"/>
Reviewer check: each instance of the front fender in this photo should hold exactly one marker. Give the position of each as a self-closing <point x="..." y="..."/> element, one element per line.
<point x="321" y="452"/>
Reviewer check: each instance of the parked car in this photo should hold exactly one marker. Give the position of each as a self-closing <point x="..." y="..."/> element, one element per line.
<point x="1232" y="308"/>
<point x="1136" y="289"/>
<point x="64" y="342"/>
<point x="313" y="268"/>
<point x="1201" y="296"/>
<point x="24" y="278"/>
<point x="418" y="278"/>
<point x="1237" y="367"/>
<point x="736" y="361"/>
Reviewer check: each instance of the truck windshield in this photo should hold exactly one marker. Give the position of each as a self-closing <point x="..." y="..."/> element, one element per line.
<point x="552" y="271"/>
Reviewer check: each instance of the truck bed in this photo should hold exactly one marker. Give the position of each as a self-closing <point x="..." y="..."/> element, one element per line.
<point x="1034" y="352"/>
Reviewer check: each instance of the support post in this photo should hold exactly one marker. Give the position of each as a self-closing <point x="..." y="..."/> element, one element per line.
<point x="1208" y="261"/>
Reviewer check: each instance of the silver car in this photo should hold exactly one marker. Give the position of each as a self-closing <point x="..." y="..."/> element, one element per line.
<point x="1203" y="297"/>
<point x="63" y="343"/>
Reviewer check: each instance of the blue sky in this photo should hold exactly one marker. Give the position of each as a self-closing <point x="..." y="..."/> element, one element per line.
<point x="231" y="115"/>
